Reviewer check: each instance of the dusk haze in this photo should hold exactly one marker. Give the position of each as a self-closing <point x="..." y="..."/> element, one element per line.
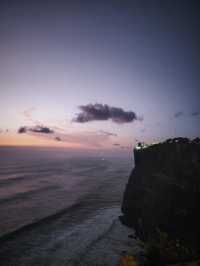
<point x="87" y="88"/>
<point x="140" y="57"/>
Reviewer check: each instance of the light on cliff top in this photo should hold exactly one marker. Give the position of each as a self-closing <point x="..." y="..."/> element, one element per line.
<point x="141" y="145"/>
<point x="138" y="148"/>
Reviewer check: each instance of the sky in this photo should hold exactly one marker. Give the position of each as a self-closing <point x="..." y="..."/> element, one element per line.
<point x="98" y="75"/>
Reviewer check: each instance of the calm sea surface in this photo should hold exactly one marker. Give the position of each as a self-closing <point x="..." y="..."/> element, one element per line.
<point x="54" y="192"/>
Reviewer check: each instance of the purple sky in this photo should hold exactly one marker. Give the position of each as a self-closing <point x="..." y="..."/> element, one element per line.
<point x="140" y="56"/>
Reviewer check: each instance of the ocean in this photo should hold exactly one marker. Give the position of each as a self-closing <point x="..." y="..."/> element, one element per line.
<point x="54" y="207"/>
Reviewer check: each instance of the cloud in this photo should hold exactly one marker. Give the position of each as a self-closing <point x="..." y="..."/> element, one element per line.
<point x="36" y="129"/>
<point x="92" y="139"/>
<point x="122" y="147"/>
<point x="95" y="139"/>
<point x="103" y="112"/>
<point x="195" y="113"/>
<point x="4" y="131"/>
<point x="107" y="133"/>
<point x="28" y="113"/>
<point x="41" y="129"/>
<point x="125" y="147"/>
<point x="178" y="114"/>
<point x="22" y="130"/>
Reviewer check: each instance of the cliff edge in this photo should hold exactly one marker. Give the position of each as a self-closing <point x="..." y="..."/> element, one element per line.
<point x="163" y="194"/>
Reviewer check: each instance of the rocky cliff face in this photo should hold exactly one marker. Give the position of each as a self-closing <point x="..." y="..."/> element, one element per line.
<point x="163" y="192"/>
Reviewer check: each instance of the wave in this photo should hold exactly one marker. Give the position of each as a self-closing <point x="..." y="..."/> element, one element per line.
<point x="7" y="181"/>
<point x="27" y="194"/>
<point x="23" y="229"/>
<point x="20" y="178"/>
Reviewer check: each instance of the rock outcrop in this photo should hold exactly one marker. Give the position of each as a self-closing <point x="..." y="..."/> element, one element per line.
<point x="163" y="193"/>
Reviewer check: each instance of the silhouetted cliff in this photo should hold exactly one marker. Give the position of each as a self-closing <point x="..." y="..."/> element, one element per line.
<point x="163" y="194"/>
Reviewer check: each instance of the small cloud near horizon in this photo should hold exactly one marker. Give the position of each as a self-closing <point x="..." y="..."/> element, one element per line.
<point x="121" y="146"/>
<point x="125" y="147"/>
<point x="89" y="139"/>
<point x="4" y="131"/>
<point x="35" y="129"/>
<point x="103" y="112"/>
<point x="22" y="130"/>
<point x="58" y="139"/>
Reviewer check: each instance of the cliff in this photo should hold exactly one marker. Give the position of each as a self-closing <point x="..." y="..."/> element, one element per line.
<point x="162" y="196"/>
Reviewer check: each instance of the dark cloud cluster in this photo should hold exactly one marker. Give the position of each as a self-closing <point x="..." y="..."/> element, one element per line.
<point x="58" y="139"/>
<point x="102" y="112"/>
<point x="22" y="130"/>
<point x="36" y="129"/>
<point x="42" y="129"/>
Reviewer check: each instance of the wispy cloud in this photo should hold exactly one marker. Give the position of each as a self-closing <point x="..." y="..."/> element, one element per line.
<point x="28" y="113"/>
<point x="197" y="113"/>
<point x="103" y="112"/>
<point x="181" y="113"/>
<point x="4" y="131"/>
<point x="107" y="133"/>
<point x="84" y="139"/>
<point x="178" y="114"/>
<point x="125" y="147"/>
<point x="122" y="147"/>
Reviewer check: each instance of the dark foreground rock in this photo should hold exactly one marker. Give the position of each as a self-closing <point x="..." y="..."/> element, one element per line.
<point x="162" y="198"/>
